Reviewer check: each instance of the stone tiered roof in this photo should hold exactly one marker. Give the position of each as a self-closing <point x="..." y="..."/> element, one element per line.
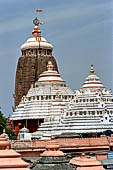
<point x="53" y="149"/>
<point x="92" y="81"/>
<point x="54" y="159"/>
<point x="84" y="163"/>
<point x="50" y="76"/>
<point x="10" y="159"/>
<point x="73" y="125"/>
<point x="91" y="111"/>
<point x="46" y="98"/>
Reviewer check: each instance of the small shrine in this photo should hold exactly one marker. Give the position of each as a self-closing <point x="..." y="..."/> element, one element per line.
<point x="53" y="158"/>
<point x="84" y="163"/>
<point x="10" y="159"/>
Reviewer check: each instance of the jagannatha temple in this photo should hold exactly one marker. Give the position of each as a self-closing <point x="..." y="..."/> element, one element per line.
<point x="45" y="105"/>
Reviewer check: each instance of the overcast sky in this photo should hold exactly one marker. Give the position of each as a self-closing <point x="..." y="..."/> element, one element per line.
<point x="79" y="30"/>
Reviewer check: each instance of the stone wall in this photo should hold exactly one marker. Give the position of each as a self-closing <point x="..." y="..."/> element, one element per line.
<point x="71" y="145"/>
<point x="71" y="142"/>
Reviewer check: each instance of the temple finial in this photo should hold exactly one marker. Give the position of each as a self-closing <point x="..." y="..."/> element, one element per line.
<point x="36" y="31"/>
<point x="92" y="69"/>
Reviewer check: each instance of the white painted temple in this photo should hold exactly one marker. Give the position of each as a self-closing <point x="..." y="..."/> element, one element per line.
<point x="44" y="102"/>
<point x="91" y="111"/>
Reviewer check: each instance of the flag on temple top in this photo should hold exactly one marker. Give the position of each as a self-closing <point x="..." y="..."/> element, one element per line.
<point x="38" y="10"/>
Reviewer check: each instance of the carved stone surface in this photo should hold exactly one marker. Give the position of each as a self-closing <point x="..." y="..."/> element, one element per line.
<point x="28" y="70"/>
<point x="54" y="163"/>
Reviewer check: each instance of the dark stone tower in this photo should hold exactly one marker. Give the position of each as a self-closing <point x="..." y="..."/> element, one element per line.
<point x="36" y="52"/>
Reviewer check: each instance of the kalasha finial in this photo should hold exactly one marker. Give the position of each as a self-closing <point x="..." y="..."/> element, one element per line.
<point x="92" y="69"/>
<point x="36" y="31"/>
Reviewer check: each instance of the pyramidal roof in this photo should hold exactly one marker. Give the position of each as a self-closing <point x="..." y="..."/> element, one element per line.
<point x="50" y="82"/>
<point x="9" y="158"/>
<point x="50" y="75"/>
<point x="92" y="81"/>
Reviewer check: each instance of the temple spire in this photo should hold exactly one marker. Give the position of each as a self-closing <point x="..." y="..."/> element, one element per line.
<point x="36" y="31"/>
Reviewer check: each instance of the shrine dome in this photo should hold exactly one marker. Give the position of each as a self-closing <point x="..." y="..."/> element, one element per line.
<point x="50" y="83"/>
<point x="92" y="82"/>
<point x="50" y="76"/>
<point x="33" y="43"/>
<point x="37" y="41"/>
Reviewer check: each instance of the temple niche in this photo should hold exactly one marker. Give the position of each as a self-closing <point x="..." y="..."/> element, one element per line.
<point x="36" y="52"/>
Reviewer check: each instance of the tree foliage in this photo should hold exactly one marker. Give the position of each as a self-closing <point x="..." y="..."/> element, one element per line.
<point x="3" y="125"/>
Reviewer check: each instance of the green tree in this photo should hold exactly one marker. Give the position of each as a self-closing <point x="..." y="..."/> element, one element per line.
<point x="3" y="125"/>
<point x="11" y="134"/>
